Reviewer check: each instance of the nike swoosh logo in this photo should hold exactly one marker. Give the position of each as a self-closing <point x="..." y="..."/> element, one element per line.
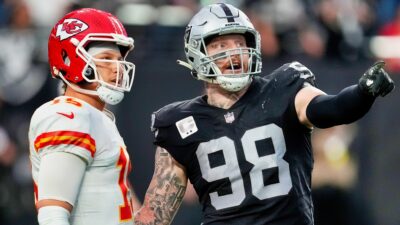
<point x="69" y="116"/>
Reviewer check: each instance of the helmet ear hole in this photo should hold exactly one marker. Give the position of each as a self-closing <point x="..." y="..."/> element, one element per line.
<point x="89" y="73"/>
<point x="65" y="57"/>
<point x="194" y="74"/>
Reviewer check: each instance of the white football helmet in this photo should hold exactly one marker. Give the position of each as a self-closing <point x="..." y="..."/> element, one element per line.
<point x="214" y="20"/>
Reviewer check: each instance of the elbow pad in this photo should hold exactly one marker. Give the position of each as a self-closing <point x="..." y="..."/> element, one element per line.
<point x="346" y="107"/>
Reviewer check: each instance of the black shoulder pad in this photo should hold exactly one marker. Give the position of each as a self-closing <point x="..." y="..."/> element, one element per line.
<point x="170" y="114"/>
<point x="292" y="72"/>
<point x="167" y="115"/>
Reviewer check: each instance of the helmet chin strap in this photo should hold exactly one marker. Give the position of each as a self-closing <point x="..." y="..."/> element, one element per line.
<point x="109" y="96"/>
<point x="233" y="84"/>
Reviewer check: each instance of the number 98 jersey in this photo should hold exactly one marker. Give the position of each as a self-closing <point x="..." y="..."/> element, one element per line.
<point x="252" y="163"/>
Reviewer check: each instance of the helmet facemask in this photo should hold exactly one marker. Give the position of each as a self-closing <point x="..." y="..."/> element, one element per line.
<point x="125" y="70"/>
<point x="109" y="92"/>
<point x="240" y="63"/>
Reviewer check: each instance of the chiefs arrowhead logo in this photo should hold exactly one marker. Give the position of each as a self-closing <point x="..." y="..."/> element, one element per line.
<point x="69" y="28"/>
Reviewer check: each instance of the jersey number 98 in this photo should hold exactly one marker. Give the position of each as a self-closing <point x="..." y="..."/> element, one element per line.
<point x="231" y="169"/>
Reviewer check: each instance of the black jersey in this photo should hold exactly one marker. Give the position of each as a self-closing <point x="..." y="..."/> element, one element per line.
<point x="252" y="163"/>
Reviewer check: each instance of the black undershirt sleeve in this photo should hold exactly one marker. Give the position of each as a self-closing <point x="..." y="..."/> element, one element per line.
<point x="346" y="107"/>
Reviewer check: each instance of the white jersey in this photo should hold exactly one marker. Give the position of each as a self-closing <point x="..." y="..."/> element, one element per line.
<point x="70" y="125"/>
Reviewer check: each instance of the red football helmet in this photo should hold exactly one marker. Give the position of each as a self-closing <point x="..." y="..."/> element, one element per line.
<point x="68" y="45"/>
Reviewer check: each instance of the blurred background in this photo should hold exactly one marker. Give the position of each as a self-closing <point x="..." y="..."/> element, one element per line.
<point x="356" y="175"/>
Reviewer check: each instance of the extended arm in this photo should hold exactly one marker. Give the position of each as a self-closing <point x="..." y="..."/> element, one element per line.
<point x="165" y="192"/>
<point x="315" y="108"/>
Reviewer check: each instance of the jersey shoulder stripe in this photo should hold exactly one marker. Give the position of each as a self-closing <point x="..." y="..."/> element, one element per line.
<point x="54" y="138"/>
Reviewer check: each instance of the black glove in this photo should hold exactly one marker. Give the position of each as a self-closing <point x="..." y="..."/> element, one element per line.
<point x="376" y="81"/>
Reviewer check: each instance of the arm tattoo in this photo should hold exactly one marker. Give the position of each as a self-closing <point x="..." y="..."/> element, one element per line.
<point x="165" y="193"/>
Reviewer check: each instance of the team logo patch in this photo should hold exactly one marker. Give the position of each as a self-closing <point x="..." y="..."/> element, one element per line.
<point x="186" y="127"/>
<point x="229" y="117"/>
<point x="69" y="28"/>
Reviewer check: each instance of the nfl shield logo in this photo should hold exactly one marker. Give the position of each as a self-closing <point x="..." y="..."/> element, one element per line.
<point x="229" y="117"/>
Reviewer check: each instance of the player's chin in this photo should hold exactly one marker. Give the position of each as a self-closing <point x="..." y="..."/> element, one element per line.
<point x="113" y="83"/>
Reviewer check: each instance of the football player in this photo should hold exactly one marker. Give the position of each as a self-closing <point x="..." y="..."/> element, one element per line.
<point x="79" y="160"/>
<point x="245" y="145"/>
